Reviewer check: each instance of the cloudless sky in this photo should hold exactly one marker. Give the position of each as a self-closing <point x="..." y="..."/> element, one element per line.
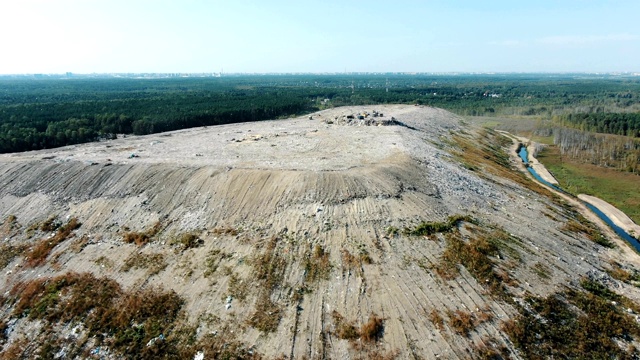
<point x="98" y="36"/>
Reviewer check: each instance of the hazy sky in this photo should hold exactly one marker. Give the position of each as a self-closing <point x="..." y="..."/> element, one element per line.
<point x="86" y="36"/>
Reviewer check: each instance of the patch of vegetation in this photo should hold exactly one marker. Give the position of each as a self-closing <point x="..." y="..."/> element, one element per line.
<point x="631" y="276"/>
<point x="370" y="332"/>
<point x="125" y="321"/>
<point x="225" y="347"/>
<point x="461" y="321"/>
<point x="542" y="271"/>
<point x="363" y="254"/>
<point x="225" y="231"/>
<point x="269" y="266"/>
<point x="353" y="263"/>
<point x="575" y="324"/>
<point x="436" y="319"/>
<point x="268" y="269"/>
<point x="9" y="224"/>
<point x="9" y="252"/>
<point x="213" y="260"/>
<point x="267" y="316"/>
<point x="317" y="265"/>
<point x="611" y="185"/>
<point x="392" y="231"/>
<point x="141" y="238"/>
<point x="430" y="228"/>
<point x="238" y="287"/>
<point x="486" y="152"/>
<point x="491" y="349"/>
<point x="104" y="261"/>
<point x="153" y="262"/>
<point x="344" y="329"/>
<point x="373" y="329"/>
<point x="475" y="255"/>
<point x="16" y="349"/>
<point x="583" y="226"/>
<point x="51" y="224"/>
<point x="603" y="292"/>
<point x="38" y="254"/>
<point x="79" y="244"/>
<point x="186" y="241"/>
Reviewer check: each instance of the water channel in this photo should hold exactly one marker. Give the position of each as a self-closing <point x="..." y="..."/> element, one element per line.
<point x="522" y="152"/>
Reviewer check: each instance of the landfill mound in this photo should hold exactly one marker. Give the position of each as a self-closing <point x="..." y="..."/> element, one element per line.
<point x="297" y="238"/>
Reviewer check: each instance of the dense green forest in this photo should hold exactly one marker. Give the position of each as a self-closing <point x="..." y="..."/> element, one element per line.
<point x="627" y="124"/>
<point x="39" y="112"/>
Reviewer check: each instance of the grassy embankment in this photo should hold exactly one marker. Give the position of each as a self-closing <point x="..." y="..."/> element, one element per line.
<point x="613" y="186"/>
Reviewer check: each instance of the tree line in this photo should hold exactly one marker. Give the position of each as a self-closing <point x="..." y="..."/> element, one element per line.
<point x="618" y="152"/>
<point x="37" y="114"/>
<point x="627" y="124"/>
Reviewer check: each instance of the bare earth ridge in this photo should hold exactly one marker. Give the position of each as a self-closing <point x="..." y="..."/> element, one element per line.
<point x="345" y="185"/>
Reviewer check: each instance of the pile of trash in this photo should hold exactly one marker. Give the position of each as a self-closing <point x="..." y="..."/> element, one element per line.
<point x="363" y="119"/>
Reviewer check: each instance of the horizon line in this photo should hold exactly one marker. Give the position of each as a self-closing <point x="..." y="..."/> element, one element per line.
<point x="220" y="74"/>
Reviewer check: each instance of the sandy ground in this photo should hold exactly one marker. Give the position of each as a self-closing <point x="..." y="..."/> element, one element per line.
<point x="538" y="167"/>
<point x="533" y="162"/>
<point x="307" y="183"/>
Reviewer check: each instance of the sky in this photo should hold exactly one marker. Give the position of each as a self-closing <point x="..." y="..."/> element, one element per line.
<point x="265" y="36"/>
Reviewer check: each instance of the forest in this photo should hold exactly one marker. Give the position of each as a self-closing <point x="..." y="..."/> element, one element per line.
<point x="46" y="112"/>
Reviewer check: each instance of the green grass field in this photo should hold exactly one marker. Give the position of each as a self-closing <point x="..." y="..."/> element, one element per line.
<point x="618" y="188"/>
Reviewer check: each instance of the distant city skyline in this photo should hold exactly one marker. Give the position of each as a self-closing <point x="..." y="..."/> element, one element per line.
<point x="246" y="36"/>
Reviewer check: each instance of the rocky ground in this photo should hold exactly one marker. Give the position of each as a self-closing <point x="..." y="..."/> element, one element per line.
<point x="322" y="200"/>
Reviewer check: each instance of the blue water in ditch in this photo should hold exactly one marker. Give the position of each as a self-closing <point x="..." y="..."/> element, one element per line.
<point x="633" y="242"/>
<point x="623" y="234"/>
<point x="524" y="156"/>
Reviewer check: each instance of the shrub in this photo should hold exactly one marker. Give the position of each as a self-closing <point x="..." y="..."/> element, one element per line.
<point x="349" y="261"/>
<point x="630" y="276"/>
<point x="187" y="241"/>
<point x="317" y="265"/>
<point x="51" y="224"/>
<point x="9" y="252"/>
<point x="124" y="320"/>
<point x="153" y="262"/>
<point x="582" y="226"/>
<point x="9" y="224"/>
<point x="542" y="271"/>
<point x="575" y="324"/>
<point x="269" y="268"/>
<point x="475" y="257"/>
<point x="213" y="260"/>
<point x="372" y="330"/>
<point x="41" y="250"/>
<point x="217" y="347"/>
<point x="267" y="316"/>
<point x="461" y="322"/>
<point x="238" y="288"/>
<point x="344" y="330"/>
<point x="142" y="238"/>
<point x="436" y="319"/>
<point x="430" y="228"/>
<point x="225" y="231"/>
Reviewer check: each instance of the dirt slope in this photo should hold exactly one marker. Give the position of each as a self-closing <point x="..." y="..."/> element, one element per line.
<point x="323" y="203"/>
